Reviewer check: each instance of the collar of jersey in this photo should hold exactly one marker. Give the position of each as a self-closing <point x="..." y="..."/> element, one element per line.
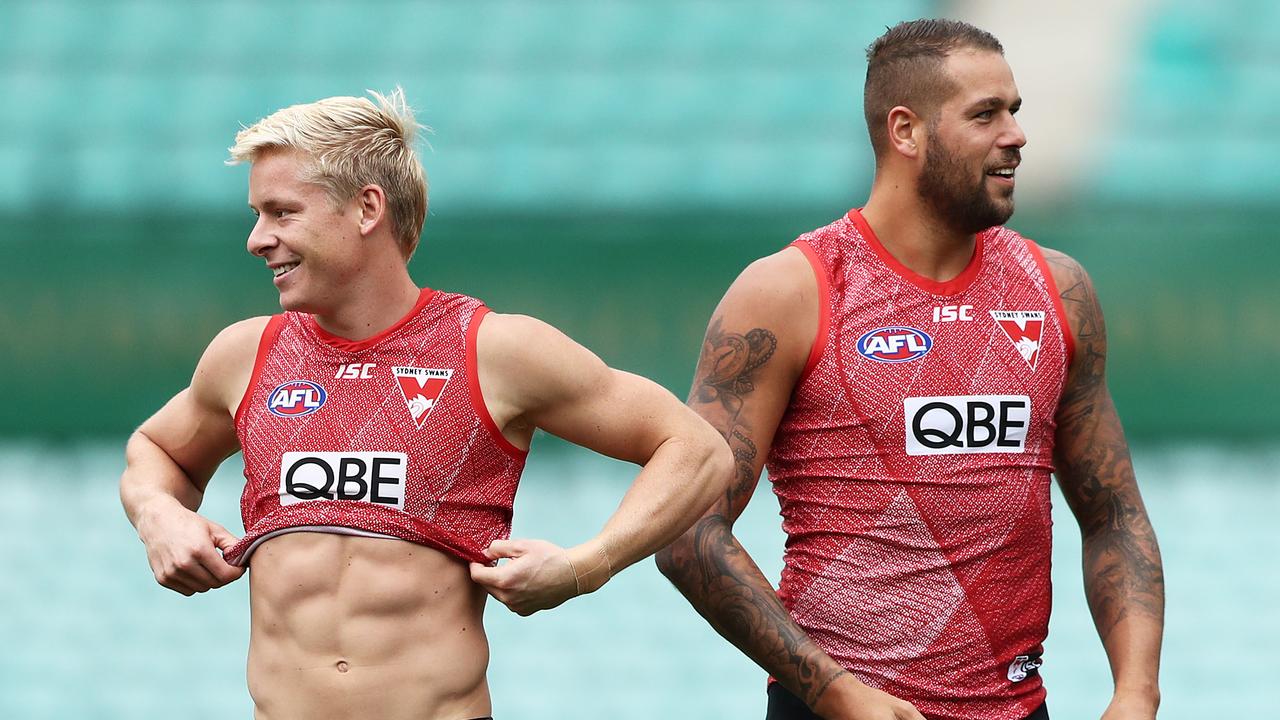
<point x="346" y="345"/>
<point x="954" y="286"/>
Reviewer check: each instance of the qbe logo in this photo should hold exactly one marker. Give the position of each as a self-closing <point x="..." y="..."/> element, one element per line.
<point x="296" y="398"/>
<point x="962" y="424"/>
<point x="374" y="477"/>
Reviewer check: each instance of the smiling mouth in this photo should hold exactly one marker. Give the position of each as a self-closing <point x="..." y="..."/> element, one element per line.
<point x="281" y="271"/>
<point x="1002" y="173"/>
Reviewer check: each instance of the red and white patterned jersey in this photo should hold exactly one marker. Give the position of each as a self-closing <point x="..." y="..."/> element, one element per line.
<point x="912" y="467"/>
<point x="385" y="437"/>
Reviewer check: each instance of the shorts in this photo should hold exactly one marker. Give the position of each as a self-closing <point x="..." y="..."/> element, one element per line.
<point x="785" y="706"/>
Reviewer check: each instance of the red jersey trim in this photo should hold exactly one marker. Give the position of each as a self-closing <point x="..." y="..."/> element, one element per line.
<point x="268" y="339"/>
<point x="473" y="383"/>
<point x="1068" y="337"/>
<point x="824" y="307"/>
<point x="954" y="286"/>
<point x="351" y="346"/>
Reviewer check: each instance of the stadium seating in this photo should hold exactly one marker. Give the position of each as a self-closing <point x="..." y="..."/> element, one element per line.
<point x="130" y="105"/>
<point x="1196" y="119"/>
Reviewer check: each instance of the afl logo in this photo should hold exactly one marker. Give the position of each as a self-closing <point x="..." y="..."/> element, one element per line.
<point x="296" y="398"/>
<point x="894" y="344"/>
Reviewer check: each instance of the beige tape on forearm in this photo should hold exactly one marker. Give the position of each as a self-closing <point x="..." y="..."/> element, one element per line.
<point x="593" y="572"/>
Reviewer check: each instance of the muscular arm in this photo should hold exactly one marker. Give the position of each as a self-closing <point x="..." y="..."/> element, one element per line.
<point x="1123" y="576"/>
<point x="171" y="457"/>
<point x="755" y="349"/>
<point x="533" y="376"/>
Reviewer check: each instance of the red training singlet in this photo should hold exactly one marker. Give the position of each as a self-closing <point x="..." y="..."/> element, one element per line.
<point x="912" y="467"/>
<point x="385" y="437"/>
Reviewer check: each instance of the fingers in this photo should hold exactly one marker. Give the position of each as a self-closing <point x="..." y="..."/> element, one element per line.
<point x="177" y="585"/>
<point x="910" y="712"/>
<point x="195" y="565"/>
<point x="491" y="578"/>
<point x="506" y="549"/>
<point x="222" y="538"/>
<point x="199" y="576"/>
<point x="500" y="582"/>
<point x="536" y="575"/>
<point x="214" y="562"/>
<point x="181" y="580"/>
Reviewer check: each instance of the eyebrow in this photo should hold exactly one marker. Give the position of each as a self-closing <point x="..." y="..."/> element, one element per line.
<point x="994" y="101"/>
<point x="267" y="205"/>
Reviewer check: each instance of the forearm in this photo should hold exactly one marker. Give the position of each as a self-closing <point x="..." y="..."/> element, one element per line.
<point x="1124" y="584"/>
<point x="723" y="583"/>
<point x="673" y="489"/>
<point x="151" y="478"/>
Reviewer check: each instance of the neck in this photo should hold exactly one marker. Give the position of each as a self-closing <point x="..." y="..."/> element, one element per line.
<point x="374" y="301"/>
<point x="913" y="233"/>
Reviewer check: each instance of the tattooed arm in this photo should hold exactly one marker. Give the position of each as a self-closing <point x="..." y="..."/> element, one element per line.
<point x="755" y="349"/>
<point x="1123" y="578"/>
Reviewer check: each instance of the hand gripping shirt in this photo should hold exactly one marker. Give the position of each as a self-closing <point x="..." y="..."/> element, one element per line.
<point x="385" y="437"/>
<point x="912" y="468"/>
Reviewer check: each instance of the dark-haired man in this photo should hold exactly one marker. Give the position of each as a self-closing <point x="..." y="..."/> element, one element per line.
<point x="911" y="374"/>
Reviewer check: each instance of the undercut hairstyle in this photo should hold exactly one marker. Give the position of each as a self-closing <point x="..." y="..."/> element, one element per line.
<point x="905" y="66"/>
<point x="351" y="142"/>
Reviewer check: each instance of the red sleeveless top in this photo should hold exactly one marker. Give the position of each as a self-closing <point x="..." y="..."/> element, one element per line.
<point x="385" y="437"/>
<point x="912" y="467"/>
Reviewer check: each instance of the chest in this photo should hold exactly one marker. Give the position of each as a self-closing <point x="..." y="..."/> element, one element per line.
<point x="978" y="372"/>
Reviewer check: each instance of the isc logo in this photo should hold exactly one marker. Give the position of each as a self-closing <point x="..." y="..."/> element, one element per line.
<point x="355" y="371"/>
<point x="894" y="344"/>
<point x="375" y="477"/>
<point x="964" y="424"/>
<point x="952" y="313"/>
<point x="296" y="398"/>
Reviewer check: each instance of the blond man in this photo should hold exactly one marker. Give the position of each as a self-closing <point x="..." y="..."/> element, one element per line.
<point x="384" y="427"/>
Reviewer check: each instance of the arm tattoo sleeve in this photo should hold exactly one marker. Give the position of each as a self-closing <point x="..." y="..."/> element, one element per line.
<point x="1122" y="566"/>
<point x="708" y="565"/>
<point x="726" y="371"/>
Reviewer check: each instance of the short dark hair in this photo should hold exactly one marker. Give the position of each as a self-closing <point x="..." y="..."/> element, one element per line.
<point x="904" y="67"/>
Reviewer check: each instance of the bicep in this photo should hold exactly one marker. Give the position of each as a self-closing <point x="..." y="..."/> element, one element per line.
<point x="196" y="437"/>
<point x="1091" y="453"/>
<point x="196" y="428"/>
<point x="572" y="394"/>
<point x="754" y="351"/>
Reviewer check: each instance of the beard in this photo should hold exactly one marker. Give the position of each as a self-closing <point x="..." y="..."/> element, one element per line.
<point x="947" y="185"/>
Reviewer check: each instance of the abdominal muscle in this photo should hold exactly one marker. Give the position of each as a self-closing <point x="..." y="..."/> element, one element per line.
<point x="358" y="627"/>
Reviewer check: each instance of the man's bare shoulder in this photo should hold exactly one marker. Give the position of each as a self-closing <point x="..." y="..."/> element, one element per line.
<point x="520" y="344"/>
<point x="525" y="345"/>
<point x="1067" y="271"/>
<point x="1080" y="302"/>
<point x="236" y="341"/>
<point x="776" y="285"/>
<point x="511" y="330"/>
<point x="228" y="361"/>
<point x="772" y="310"/>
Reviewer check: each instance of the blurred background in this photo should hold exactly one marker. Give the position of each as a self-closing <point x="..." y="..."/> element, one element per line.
<point x="609" y="166"/>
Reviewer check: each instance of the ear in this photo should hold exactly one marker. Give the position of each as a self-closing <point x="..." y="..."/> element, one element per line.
<point x="906" y="131"/>
<point x="371" y="201"/>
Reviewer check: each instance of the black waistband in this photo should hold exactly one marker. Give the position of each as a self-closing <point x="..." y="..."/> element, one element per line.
<point x="785" y="706"/>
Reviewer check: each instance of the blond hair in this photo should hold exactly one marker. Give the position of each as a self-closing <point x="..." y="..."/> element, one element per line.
<point x="351" y="142"/>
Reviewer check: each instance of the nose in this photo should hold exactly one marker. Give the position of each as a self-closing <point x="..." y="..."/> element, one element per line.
<point x="260" y="239"/>
<point x="1013" y="135"/>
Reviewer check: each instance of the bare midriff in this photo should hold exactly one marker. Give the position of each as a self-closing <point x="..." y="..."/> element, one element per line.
<point x="357" y="627"/>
